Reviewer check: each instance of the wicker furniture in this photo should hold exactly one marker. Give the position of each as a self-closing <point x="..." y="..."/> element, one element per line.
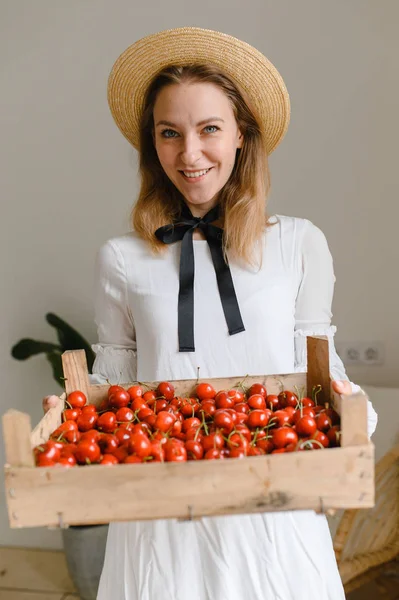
<point x="367" y="540"/>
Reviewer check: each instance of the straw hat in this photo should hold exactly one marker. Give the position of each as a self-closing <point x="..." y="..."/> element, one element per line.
<point x="138" y="64"/>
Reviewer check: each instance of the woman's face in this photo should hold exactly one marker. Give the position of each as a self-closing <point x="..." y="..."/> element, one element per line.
<point x="196" y="137"/>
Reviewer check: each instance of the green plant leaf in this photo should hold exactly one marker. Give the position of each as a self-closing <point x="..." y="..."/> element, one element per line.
<point x="70" y="339"/>
<point x="27" y="347"/>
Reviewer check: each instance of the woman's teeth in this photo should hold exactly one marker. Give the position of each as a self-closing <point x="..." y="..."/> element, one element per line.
<point x="195" y="173"/>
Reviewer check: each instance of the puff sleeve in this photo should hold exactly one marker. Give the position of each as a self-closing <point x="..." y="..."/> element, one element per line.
<point x="313" y="305"/>
<point x="116" y="350"/>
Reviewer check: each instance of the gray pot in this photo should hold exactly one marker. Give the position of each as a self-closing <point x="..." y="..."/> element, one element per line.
<point x="84" y="551"/>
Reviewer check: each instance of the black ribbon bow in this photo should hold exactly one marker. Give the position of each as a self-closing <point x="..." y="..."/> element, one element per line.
<point x="183" y="229"/>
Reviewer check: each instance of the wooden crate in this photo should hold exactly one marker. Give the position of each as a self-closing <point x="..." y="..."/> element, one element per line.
<point x="333" y="478"/>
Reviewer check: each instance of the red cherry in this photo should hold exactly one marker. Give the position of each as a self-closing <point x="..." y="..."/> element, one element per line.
<point x="140" y="445"/>
<point x="77" y="399"/>
<point x="211" y="441"/>
<point x="223" y="421"/>
<point x="150" y="397"/>
<point x="334" y="436"/>
<point x="204" y="391"/>
<point x="242" y="407"/>
<point x="223" y="400"/>
<point x="106" y="422"/>
<point x="257" y="401"/>
<point x="191" y="423"/>
<point x="287" y="398"/>
<point x="306" y="411"/>
<point x="283" y="436"/>
<point x="165" y="421"/>
<point x="124" y="414"/>
<point x="257" y="388"/>
<point x="71" y="414"/>
<point x="237" y="395"/>
<point x="307" y="402"/>
<point x="323" y="422"/>
<point x="108" y="443"/>
<point x="175" y="453"/>
<point x="208" y="408"/>
<point x="132" y="458"/>
<point x="109" y="459"/>
<point x="194" y="450"/>
<point x="214" y="454"/>
<point x="272" y="402"/>
<point x="87" y="452"/>
<point x="166" y="389"/>
<point x="279" y="418"/>
<point x="119" y="398"/>
<point x="134" y="392"/>
<point x="305" y="426"/>
<point x="258" y="418"/>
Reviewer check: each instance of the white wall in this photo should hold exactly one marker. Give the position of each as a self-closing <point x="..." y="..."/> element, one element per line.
<point x="69" y="177"/>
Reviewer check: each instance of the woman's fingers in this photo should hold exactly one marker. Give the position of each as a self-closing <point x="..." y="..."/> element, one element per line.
<point x="50" y="402"/>
<point x="342" y="387"/>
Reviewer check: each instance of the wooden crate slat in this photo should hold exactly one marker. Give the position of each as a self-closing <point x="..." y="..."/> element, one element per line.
<point x="16" y="431"/>
<point x="334" y="478"/>
<point x="50" y="422"/>
<point x="76" y="375"/>
<point x="318" y="368"/>
<point x="354" y="420"/>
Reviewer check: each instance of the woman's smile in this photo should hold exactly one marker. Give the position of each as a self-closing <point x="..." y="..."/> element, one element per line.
<point x="195" y="176"/>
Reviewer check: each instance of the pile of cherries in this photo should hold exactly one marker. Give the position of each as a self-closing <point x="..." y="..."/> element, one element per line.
<point x="139" y="425"/>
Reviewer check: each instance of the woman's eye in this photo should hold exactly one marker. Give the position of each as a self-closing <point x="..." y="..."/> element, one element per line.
<point x="212" y="127"/>
<point x="168" y="133"/>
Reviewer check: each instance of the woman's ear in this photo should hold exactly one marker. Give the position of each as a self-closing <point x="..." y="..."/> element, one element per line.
<point x="240" y="140"/>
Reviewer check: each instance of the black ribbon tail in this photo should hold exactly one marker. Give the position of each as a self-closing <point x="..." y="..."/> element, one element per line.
<point x="183" y="229"/>
<point x="186" y="294"/>
<point x="225" y="283"/>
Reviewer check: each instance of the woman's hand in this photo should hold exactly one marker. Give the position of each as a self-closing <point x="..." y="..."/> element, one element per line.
<point x="342" y="387"/>
<point x="49" y="402"/>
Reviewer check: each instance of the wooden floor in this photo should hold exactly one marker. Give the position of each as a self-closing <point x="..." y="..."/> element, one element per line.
<point x="27" y="574"/>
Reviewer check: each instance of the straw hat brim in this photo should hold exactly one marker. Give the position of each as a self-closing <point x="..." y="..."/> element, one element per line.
<point x="137" y="65"/>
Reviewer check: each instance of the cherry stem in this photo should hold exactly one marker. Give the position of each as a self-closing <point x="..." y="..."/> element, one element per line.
<point x="281" y="383"/>
<point x="298" y="393"/>
<point x="240" y="384"/>
<point x="315" y="391"/>
<point x="204" y="425"/>
<point x="144" y="385"/>
<point x="309" y="444"/>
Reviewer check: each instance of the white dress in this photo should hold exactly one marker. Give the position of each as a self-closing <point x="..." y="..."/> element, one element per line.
<point x="273" y="556"/>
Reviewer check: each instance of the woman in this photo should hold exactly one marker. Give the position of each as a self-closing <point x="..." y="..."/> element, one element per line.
<point x="205" y="110"/>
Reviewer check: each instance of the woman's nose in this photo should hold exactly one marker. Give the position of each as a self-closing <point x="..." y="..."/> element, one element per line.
<point x="191" y="150"/>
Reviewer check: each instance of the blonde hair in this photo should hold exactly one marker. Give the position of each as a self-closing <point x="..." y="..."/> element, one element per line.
<point x="242" y="199"/>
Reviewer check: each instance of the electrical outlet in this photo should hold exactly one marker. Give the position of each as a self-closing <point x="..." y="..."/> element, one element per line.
<point x="360" y="353"/>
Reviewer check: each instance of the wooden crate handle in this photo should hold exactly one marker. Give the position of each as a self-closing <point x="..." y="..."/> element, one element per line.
<point x="354" y="420"/>
<point x="318" y="368"/>
<point x="17" y="432"/>
<point x="76" y="374"/>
